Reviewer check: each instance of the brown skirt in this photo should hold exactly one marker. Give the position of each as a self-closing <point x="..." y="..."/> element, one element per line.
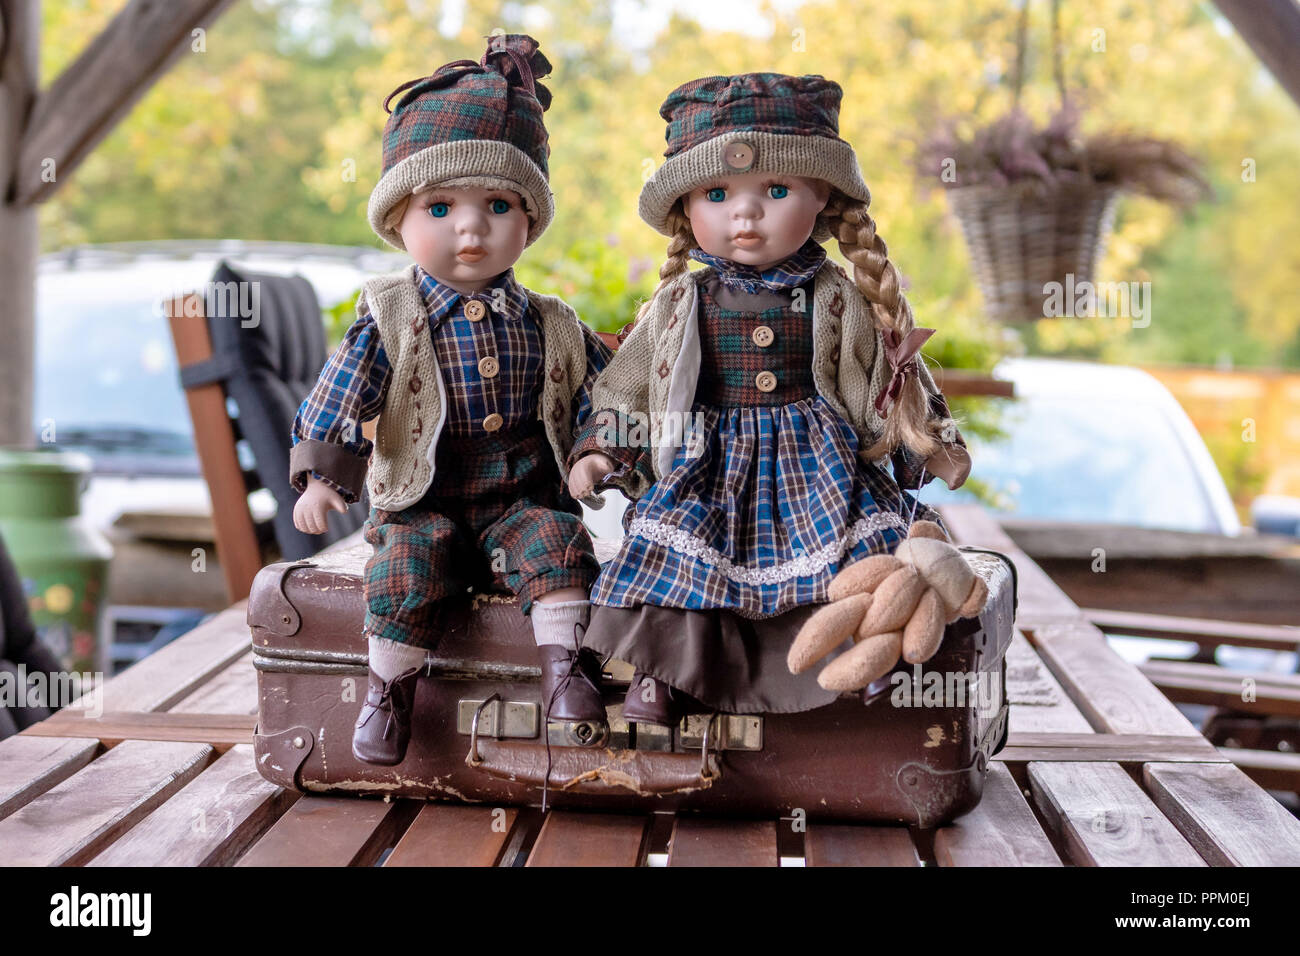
<point x="729" y="663"/>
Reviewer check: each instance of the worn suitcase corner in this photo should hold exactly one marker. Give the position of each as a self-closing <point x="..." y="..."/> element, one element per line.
<point x="279" y="757"/>
<point x="270" y="612"/>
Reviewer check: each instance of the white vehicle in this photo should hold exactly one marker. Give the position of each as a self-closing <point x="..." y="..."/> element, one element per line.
<point x="1096" y="443"/>
<point x="106" y="384"/>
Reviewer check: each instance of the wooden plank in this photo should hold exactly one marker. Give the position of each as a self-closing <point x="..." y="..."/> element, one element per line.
<point x="590" y="839"/>
<point x="332" y="831"/>
<point x="31" y="765"/>
<point x="1110" y="691"/>
<point x="1209" y="804"/>
<point x="78" y="819"/>
<point x="1268" y="768"/>
<point x="221" y="730"/>
<point x="1114" y="697"/>
<point x="1082" y="542"/>
<point x="446" y="835"/>
<point x="1039" y="598"/>
<point x="700" y="841"/>
<point x="88" y="98"/>
<point x="1203" y="631"/>
<point x="1001" y="831"/>
<point x="211" y="822"/>
<point x="173" y="672"/>
<point x="1104" y="819"/>
<point x="1114" y="748"/>
<point x="1038" y="702"/>
<point x="1252" y="693"/>
<point x="828" y="845"/>
<point x="230" y="691"/>
<point x="1259" y="590"/>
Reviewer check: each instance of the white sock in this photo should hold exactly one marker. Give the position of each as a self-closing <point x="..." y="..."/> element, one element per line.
<point x="554" y="623"/>
<point x="390" y="658"/>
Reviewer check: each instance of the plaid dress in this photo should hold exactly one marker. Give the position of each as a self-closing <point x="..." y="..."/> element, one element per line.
<point x="767" y="498"/>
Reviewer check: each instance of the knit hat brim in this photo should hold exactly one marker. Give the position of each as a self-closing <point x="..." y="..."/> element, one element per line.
<point x="463" y="161"/>
<point x="815" y="157"/>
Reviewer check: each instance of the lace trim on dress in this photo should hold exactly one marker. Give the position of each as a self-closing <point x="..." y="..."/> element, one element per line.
<point x="657" y="532"/>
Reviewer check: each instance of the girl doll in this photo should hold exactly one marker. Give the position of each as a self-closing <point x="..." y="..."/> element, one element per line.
<point x="775" y="387"/>
<point x="478" y="385"/>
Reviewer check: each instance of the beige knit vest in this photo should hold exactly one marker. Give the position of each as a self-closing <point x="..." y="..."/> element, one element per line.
<point x="415" y="408"/>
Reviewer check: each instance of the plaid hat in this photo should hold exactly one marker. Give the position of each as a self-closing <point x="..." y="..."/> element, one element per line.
<point x="754" y="122"/>
<point x="470" y="124"/>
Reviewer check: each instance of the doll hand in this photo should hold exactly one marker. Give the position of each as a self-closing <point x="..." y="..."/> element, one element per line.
<point x="892" y="605"/>
<point x="311" y="512"/>
<point x="587" y="471"/>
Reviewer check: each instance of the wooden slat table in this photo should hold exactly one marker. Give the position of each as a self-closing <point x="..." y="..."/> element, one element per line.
<point x="1100" y="770"/>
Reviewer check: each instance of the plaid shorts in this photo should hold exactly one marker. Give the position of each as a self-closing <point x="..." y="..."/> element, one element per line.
<point x="496" y="518"/>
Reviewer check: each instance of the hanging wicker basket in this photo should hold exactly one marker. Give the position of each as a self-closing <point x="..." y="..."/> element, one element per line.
<point x="1020" y="241"/>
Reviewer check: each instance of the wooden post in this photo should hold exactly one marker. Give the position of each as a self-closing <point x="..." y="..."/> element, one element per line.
<point x="1272" y="29"/>
<point x="45" y="134"/>
<point x="19" y="80"/>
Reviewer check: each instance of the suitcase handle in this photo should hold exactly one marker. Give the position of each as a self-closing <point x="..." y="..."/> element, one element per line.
<point x="592" y="769"/>
<point x="595" y="770"/>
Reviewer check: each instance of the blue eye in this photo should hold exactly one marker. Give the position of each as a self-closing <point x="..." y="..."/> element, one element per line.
<point x="716" y="194"/>
<point x="778" y="191"/>
<point x="500" y="206"/>
<point x="438" y="209"/>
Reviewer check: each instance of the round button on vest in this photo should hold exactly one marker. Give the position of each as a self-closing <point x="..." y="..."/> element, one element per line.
<point x="475" y="310"/>
<point x="492" y="422"/>
<point x="763" y="336"/>
<point x="765" y="381"/>
<point x="488" y="366"/>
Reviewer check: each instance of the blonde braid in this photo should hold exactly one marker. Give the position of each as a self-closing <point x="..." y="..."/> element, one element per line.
<point x="682" y="242"/>
<point x="875" y="276"/>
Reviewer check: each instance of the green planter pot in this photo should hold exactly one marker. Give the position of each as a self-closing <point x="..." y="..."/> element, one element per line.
<point x="62" y="560"/>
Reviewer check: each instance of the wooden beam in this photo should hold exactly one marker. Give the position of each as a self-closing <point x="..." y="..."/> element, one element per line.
<point x="222" y="731"/>
<point x="1269" y="769"/>
<point x="19" y="80"/>
<point x="1203" y="631"/>
<point x="1272" y="29"/>
<point x="1111" y="748"/>
<point x="80" y="107"/>
<point x="955" y="382"/>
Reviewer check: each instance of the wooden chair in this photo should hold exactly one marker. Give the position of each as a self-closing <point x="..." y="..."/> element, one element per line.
<point x="245" y="376"/>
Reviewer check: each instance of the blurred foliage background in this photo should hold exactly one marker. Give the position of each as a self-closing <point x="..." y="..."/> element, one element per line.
<point x="272" y="132"/>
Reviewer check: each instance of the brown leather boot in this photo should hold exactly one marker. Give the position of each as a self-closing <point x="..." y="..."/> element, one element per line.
<point x="571" y="684"/>
<point x="651" y="701"/>
<point x="383" y="728"/>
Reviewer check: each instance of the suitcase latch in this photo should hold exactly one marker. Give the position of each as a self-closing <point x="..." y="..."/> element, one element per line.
<point x="500" y="719"/>
<point x="729" y="732"/>
<point x="725" y="731"/>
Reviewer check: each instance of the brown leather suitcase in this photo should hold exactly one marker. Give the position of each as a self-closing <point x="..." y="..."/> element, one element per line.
<point x="478" y="734"/>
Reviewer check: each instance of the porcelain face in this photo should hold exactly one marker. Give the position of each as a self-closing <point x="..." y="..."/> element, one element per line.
<point x="466" y="236"/>
<point x="757" y="219"/>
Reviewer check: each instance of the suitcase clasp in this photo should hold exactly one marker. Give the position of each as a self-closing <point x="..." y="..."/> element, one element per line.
<point x="494" y="717"/>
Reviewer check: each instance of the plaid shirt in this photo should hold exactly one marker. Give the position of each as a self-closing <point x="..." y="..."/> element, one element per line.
<point x="354" y="383"/>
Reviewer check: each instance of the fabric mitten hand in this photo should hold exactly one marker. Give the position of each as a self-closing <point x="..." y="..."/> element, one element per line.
<point x="892" y="605"/>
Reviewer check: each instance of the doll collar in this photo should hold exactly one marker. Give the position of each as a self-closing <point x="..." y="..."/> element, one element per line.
<point x="511" y="302"/>
<point x="793" y="271"/>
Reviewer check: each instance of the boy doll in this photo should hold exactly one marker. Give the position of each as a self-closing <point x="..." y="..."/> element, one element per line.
<point x="479" y="386"/>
